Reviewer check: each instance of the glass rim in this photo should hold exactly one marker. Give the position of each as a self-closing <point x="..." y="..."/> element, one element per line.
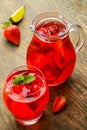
<point x="43" y="80"/>
<point x="51" y="15"/>
<point x="26" y="66"/>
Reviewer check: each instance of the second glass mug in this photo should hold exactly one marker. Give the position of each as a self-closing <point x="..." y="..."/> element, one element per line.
<point x="51" y="49"/>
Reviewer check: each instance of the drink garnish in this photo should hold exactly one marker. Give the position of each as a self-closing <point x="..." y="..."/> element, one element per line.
<point x="23" y="79"/>
<point x="18" y="15"/>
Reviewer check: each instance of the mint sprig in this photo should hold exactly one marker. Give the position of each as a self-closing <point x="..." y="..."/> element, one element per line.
<point x="23" y="79"/>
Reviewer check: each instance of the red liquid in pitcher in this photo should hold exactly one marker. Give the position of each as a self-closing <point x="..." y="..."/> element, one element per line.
<point x="27" y="101"/>
<point x="56" y="58"/>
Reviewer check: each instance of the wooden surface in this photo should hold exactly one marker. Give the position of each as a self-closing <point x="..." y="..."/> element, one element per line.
<point x="74" y="117"/>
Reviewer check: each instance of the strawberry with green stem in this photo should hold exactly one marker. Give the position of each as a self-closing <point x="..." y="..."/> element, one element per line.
<point x="11" y="32"/>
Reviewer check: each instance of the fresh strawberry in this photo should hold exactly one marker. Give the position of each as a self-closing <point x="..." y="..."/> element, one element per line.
<point x="12" y="33"/>
<point x="17" y="89"/>
<point x="59" y="104"/>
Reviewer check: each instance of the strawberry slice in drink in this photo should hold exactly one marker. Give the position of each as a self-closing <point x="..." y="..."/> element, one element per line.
<point x="59" y="55"/>
<point x="17" y="89"/>
<point x="51" y="70"/>
<point x="63" y="55"/>
<point x="35" y="90"/>
<point x="66" y="72"/>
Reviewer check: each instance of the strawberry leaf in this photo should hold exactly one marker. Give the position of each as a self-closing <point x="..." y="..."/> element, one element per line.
<point x="23" y="79"/>
<point x="6" y="24"/>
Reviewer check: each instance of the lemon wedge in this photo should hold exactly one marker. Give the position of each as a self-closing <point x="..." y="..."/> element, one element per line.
<point x="18" y="15"/>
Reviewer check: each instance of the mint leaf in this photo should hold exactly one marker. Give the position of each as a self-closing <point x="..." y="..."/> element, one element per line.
<point x="23" y="79"/>
<point x="18" y="80"/>
<point x="28" y="78"/>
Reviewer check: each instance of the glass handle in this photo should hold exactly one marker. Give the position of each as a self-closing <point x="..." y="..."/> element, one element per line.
<point x="75" y="28"/>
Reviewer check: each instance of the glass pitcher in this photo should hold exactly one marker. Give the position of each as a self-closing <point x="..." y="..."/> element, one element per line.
<point x="51" y="48"/>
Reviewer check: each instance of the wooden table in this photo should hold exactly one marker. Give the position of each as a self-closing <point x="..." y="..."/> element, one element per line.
<point x="74" y="117"/>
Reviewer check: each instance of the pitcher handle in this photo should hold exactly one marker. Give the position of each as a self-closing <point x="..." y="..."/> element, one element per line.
<point x="80" y="42"/>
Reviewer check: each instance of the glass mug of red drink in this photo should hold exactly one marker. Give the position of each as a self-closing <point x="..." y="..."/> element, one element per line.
<point x="26" y="94"/>
<point x="51" y="48"/>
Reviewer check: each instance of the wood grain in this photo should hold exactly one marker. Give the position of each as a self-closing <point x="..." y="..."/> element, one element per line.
<point x="74" y="117"/>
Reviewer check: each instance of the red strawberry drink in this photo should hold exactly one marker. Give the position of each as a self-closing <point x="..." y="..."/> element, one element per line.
<point x="51" y="49"/>
<point x="26" y="94"/>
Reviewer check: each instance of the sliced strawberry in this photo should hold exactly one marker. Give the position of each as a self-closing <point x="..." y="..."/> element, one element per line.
<point x="17" y="89"/>
<point x="12" y="33"/>
<point x="43" y="31"/>
<point x="35" y="90"/>
<point x="59" y="104"/>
